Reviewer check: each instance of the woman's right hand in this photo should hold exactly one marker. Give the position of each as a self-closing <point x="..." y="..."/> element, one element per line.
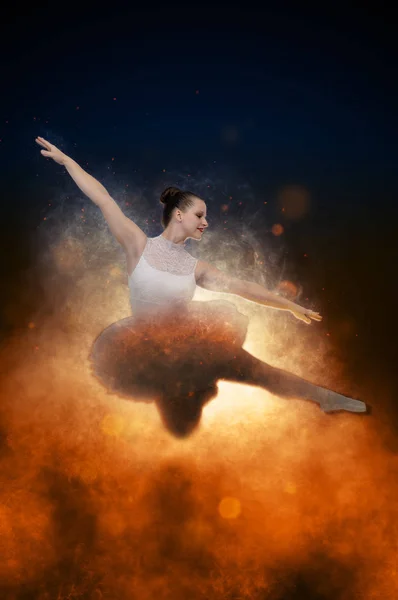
<point x="51" y="151"/>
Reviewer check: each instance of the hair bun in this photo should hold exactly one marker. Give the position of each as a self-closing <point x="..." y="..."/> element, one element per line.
<point x="168" y="194"/>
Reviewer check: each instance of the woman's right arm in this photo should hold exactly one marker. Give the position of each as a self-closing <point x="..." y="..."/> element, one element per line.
<point x="127" y="233"/>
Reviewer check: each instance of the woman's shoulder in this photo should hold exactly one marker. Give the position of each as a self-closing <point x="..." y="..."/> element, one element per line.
<point x="136" y="248"/>
<point x="200" y="269"/>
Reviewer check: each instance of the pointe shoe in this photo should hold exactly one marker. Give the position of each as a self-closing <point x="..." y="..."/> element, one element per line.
<point x="334" y="402"/>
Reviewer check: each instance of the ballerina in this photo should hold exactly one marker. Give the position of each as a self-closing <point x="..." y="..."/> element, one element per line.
<point x="173" y="349"/>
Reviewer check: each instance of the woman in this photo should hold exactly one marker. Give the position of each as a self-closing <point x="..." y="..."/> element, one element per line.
<point x="172" y="349"/>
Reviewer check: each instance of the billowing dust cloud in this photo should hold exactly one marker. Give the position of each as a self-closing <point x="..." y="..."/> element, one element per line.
<point x="267" y="499"/>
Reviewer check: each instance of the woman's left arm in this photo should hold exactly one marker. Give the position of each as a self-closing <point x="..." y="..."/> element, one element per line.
<point x="211" y="278"/>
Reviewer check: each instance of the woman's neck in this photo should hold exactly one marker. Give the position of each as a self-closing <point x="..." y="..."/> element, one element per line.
<point x="173" y="237"/>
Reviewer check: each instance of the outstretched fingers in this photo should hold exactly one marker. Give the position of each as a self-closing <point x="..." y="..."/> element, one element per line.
<point x="315" y="316"/>
<point x="307" y="316"/>
<point x="42" y="142"/>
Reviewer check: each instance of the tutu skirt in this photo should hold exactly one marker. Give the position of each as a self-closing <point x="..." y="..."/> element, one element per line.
<point x="175" y="354"/>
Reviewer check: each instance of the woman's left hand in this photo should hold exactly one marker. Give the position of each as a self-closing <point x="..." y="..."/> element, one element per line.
<point x="306" y="315"/>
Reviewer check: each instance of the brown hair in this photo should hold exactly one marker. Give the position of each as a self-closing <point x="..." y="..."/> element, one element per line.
<point x="173" y="198"/>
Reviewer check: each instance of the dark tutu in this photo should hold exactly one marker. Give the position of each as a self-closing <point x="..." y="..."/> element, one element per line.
<point x="177" y="354"/>
<point x="176" y="359"/>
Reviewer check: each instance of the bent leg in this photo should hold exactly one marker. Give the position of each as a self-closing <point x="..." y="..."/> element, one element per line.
<point x="181" y="414"/>
<point x="245" y="368"/>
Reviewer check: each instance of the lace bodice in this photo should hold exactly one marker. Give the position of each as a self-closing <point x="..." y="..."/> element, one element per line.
<point x="164" y="255"/>
<point x="163" y="278"/>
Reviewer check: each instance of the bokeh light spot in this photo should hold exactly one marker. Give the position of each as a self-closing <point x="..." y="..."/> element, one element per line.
<point x="229" y="508"/>
<point x="112" y="425"/>
<point x="287" y="288"/>
<point x="277" y="229"/>
<point x="230" y="134"/>
<point x="290" y="488"/>
<point x="294" y="201"/>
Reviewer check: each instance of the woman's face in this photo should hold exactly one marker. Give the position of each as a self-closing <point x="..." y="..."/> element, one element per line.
<point x="194" y="219"/>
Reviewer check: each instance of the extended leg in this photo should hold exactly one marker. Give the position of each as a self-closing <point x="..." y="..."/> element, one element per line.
<point x="245" y="368"/>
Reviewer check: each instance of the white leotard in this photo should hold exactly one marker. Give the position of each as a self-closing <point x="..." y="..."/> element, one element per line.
<point x="164" y="277"/>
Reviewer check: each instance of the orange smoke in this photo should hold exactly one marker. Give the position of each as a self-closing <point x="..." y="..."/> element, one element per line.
<point x="267" y="499"/>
